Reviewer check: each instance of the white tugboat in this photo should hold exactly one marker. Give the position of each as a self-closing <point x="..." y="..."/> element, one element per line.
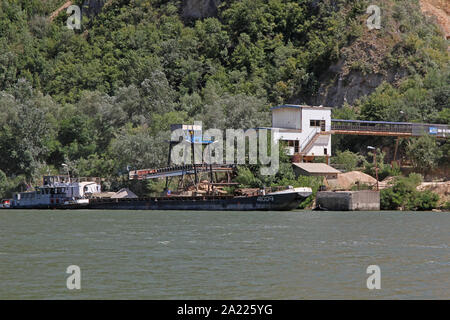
<point x="58" y="192"/>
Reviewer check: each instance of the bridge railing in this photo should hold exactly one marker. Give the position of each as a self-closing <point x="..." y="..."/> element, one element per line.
<point x="371" y="126"/>
<point x="413" y="129"/>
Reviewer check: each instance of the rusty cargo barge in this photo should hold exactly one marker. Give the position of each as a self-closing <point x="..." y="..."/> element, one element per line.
<point x="270" y="202"/>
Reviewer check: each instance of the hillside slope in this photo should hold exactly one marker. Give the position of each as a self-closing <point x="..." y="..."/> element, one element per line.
<point x="395" y="52"/>
<point x="102" y="98"/>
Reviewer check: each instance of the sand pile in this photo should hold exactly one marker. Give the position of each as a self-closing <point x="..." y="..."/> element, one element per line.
<point x="387" y="183"/>
<point x="345" y="181"/>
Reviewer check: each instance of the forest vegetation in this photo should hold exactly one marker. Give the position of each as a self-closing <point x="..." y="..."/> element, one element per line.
<point x="101" y="99"/>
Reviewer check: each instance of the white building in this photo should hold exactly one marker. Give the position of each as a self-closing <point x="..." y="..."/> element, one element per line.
<point x="306" y="129"/>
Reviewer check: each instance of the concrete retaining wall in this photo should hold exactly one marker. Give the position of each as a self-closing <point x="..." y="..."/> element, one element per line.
<point x="348" y="200"/>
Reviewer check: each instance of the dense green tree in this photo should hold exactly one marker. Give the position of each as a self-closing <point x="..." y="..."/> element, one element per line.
<point x="26" y="128"/>
<point x="348" y="160"/>
<point x="238" y="112"/>
<point x="404" y="195"/>
<point x="137" y="149"/>
<point x="424" y="153"/>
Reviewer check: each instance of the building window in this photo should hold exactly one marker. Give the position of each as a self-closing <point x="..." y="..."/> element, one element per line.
<point x="314" y="123"/>
<point x="295" y="144"/>
<point x="318" y="124"/>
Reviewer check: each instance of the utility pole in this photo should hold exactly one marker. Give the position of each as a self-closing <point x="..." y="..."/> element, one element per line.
<point x="169" y="160"/>
<point x="191" y="133"/>
<point x="376" y="164"/>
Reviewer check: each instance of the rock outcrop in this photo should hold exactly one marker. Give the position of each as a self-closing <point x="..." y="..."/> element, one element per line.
<point x="93" y="7"/>
<point x="337" y="88"/>
<point x="200" y="8"/>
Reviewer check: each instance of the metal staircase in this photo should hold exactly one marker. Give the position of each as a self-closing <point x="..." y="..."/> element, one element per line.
<point x="309" y="141"/>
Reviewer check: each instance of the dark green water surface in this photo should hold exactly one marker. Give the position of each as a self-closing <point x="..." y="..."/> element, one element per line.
<point x="224" y="255"/>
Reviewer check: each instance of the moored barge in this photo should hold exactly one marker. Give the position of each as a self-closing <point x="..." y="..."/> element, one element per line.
<point x="278" y="201"/>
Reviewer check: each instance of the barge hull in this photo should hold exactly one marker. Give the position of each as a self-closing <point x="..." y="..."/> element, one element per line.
<point x="279" y="202"/>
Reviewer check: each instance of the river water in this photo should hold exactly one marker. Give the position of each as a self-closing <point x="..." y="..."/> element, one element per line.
<point x="224" y="255"/>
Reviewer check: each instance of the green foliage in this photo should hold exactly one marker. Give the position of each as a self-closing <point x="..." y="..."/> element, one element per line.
<point x="26" y="127"/>
<point x="246" y="178"/>
<point x="238" y="112"/>
<point x="424" y="153"/>
<point x="3" y="184"/>
<point x="311" y="182"/>
<point x="347" y="160"/>
<point x="95" y="166"/>
<point x="138" y="149"/>
<point x="419" y="98"/>
<point x="424" y="99"/>
<point x="446" y="206"/>
<point x="264" y="48"/>
<point x="390" y="200"/>
<point x="155" y="186"/>
<point x="404" y="195"/>
<point x="426" y="200"/>
<point x="10" y="185"/>
<point x="346" y="112"/>
<point x="384" y="169"/>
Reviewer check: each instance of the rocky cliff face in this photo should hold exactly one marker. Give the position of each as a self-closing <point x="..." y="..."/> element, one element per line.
<point x="338" y="88"/>
<point x="200" y="8"/>
<point x="93" y="7"/>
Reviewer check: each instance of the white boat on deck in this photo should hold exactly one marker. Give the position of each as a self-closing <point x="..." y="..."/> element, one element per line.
<point x="304" y="192"/>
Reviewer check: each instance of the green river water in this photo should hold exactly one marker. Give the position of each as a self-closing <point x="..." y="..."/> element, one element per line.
<point x="224" y="255"/>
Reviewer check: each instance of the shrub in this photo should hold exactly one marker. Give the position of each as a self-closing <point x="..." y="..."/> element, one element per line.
<point x="384" y="170"/>
<point x="426" y="200"/>
<point x="446" y="206"/>
<point x="424" y="153"/>
<point x="348" y="160"/>
<point x="390" y="200"/>
<point x="404" y="195"/>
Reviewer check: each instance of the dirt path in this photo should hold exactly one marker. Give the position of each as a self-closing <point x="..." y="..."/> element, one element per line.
<point x="57" y="12"/>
